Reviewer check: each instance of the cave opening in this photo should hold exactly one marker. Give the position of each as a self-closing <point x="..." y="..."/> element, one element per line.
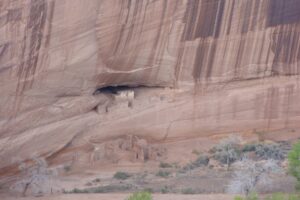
<point x="114" y="89"/>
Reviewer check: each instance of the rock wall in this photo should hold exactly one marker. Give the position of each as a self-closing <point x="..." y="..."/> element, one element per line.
<point x="241" y="58"/>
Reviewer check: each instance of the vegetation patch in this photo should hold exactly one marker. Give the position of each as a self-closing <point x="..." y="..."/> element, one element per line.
<point x="165" y="165"/>
<point x="122" y="175"/>
<point x="227" y="151"/>
<point x="269" y="151"/>
<point x="163" y="174"/>
<point x="276" y="196"/>
<point x="294" y="163"/>
<point x="140" y="196"/>
<point x="103" y="189"/>
<point x="188" y="191"/>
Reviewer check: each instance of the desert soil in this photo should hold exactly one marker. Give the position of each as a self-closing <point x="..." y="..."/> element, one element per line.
<point x="124" y="196"/>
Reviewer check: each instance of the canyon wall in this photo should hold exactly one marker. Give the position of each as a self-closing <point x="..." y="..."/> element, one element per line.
<point x="233" y="65"/>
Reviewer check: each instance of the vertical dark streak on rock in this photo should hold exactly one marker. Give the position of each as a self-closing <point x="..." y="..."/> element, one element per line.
<point x="235" y="101"/>
<point x="289" y="91"/>
<point x="230" y="18"/>
<point x="14" y="15"/>
<point x="283" y="12"/>
<point x="33" y="36"/>
<point x="189" y="19"/>
<point x="272" y="103"/>
<point x="3" y="49"/>
<point x="164" y="34"/>
<point x="239" y="57"/>
<point x="219" y="17"/>
<point x="211" y="59"/>
<point x="247" y="15"/>
<point x="254" y="15"/>
<point x="258" y="105"/>
<point x="49" y="29"/>
<point x="123" y="27"/>
<point x="203" y="20"/>
<point x="284" y="44"/>
<point x="154" y="48"/>
<point x="200" y="55"/>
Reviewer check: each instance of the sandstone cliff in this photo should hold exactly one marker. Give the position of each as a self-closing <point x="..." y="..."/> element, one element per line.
<point x="233" y="66"/>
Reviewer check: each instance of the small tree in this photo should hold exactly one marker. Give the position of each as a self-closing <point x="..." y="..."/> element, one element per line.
<point x="250" y="173"/>
<point x="294" y="163"/>
<point x="227" y="151"/>
<point x="37" y="178"/>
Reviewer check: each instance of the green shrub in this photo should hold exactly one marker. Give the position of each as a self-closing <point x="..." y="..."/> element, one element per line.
<point x="238" y="198"/>
<point x="276" y="196"/>
<point x="249" y="148"/>
<point x="294" y="163"/>
<point x="165" y="190"/>
<point x="149" y="190"/>
<point x="121" y="175"/>
<point x="293" y="197"/>
<point x="76" y="190"/>
<point x="252" y="196"/>
<point x="102" y="189"/>
<point x="188" y="191"/>
<point x="165" y="165"/>
<point x="163" y="173"/>
<point x="140" y="196"/>
<point x="202" y="160"/>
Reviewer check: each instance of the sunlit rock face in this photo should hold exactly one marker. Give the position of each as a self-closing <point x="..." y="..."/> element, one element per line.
<point x="240" y="57"/>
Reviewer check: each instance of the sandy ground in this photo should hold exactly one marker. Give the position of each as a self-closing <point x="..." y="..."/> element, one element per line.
<point x="124" y="196"/>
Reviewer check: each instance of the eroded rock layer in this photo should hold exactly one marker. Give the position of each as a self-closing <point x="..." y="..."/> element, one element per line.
<point x="234" y="66"/>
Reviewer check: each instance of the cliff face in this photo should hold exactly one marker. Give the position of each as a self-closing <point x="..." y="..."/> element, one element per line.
<point x="240" y="58"/>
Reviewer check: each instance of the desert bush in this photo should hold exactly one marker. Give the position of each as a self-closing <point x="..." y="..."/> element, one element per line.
<point x="102" y="189"/>
<point x="165" y="190"/>
<point x="140" y="196"/>
<point x="97" y="180"/>
<point x="187" y="167"/>
<point x="202" y="160"/>
<point x="188" y="191"/>
<point x="163" y="173"/>
<point x="269" y="151"/>
<point x="250" y="173"/>
<point x="294" y="163"/>
<point x="249" y="148"/>
<point x="165" y="165"/>
<point x="149" y="190"/>
<point x="196" y="152"/>
<point x="121" y="175"/>
<point x="227" y="151"/>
